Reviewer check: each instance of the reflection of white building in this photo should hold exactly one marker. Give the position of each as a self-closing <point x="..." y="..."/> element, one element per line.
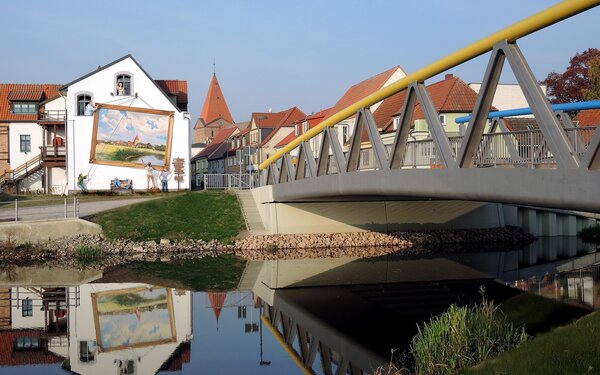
<point x="45" y="325"/>
<point x="102" y="86"/>
<point x="33" y="325"/>
<point x="85" y="358"/>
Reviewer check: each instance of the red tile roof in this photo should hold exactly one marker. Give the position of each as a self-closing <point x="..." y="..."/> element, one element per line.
<point x="362" y="90"/>
<point x="214" y="105"/>
<point x="25" y="92"/>
<point x="10" y="358"/>
<point x="451" y="95"/>
<point x="277" y="119"/>
<point x="313" y="120"/>
<point x="177" y="88"/>
<point x="590" y="117"/>
<point x="223" y="133"/>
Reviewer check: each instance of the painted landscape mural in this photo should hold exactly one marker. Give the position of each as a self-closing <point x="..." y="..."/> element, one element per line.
<point x="129" y="136"/>
<point x="133" y="317"/>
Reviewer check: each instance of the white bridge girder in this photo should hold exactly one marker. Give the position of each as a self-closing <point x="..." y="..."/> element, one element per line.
<point x="571" y="189"/>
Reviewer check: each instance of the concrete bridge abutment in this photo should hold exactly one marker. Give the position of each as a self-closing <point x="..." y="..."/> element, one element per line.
<point x="403" y="215"/>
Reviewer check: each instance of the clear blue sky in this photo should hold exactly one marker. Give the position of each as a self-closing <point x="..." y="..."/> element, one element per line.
<point x="271" y="54"/>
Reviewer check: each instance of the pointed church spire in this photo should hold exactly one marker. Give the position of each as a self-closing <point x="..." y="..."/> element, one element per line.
<point x="214" y="105"/>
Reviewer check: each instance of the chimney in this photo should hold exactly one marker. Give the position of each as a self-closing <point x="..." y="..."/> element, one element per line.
<point x="449" y="76"/>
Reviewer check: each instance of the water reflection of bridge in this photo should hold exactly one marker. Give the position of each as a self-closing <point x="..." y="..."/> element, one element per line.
<point x="340" y="316"/>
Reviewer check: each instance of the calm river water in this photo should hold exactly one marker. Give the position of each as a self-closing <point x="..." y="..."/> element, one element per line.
<point x="286" y="317"/>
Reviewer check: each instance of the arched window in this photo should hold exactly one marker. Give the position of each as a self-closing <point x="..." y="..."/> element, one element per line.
<point x="123" y="84"/>
<point x="82" y="101"/>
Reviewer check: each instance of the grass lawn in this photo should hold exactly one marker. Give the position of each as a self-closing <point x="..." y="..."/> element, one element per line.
<point x="36" y="200"/>
<point x="221" y="273"/>
<point x="570" y="349"/>
<point x="205" y="216"/>
<point x="574" y="349"/>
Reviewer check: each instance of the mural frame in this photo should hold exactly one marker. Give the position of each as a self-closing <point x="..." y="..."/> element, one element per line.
<point x="168" y="146"/>
<point x="96" y="315"/>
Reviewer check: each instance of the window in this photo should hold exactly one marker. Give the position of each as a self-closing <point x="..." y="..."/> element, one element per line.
<point x="27" y="306"/>
<point x="296" y="130"/>
<point x="24" y="343"/>
<point x="396" y="122"/>
<point x="123" y="86"/>
<point x="364" y="157"/>
<point x="344" y="134"/>
<point x="304" y="126"/>
<point x="24" y="108"/>
<point x="86" y="351"/>
<point x="25" y="143"/>
<point x="82" y="101"/>
<point x="443" y="119"/>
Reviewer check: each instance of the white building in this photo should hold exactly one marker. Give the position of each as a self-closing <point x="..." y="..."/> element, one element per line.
<point x="508" y="96"/>
<point x="140" y="91"/>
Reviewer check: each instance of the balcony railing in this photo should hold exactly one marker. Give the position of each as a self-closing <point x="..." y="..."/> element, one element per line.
<point x="52" y="115"/>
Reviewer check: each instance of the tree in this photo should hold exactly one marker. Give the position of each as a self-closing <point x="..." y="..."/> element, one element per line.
<point x="570" y="86"/>
<point x="593" y="93"/>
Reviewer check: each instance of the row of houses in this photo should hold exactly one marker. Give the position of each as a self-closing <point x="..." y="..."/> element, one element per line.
<point x="241" y="147"/>
<point x="111" y="122"/>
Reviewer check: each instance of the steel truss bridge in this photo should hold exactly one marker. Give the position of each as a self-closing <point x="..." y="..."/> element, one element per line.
<point x="557" y="165"/>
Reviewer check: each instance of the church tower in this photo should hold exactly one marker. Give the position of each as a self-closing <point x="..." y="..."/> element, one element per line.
<point x="215" y="113"/>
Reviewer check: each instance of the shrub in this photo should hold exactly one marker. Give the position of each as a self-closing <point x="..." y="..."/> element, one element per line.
<point x="462" y="337"/>
<point x="89" y="255"/>
<point x="590" y="234"/>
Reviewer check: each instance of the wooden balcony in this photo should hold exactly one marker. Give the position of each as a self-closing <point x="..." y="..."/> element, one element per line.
<point x="54" y="156"/>
<point x="52" y="117"/>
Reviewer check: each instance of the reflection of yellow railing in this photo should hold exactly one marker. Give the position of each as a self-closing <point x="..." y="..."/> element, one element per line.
<point x="287" y="348"/>
<point x="518" y="30"/>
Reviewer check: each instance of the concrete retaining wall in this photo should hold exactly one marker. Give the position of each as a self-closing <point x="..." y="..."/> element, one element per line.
<point x="41" y="230"/>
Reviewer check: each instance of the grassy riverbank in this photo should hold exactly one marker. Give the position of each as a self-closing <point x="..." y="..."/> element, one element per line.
<point x="573" y="349"/>
<point x="199" y="216"/>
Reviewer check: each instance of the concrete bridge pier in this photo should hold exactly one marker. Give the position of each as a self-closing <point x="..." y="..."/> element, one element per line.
<point x="544" y="222"/>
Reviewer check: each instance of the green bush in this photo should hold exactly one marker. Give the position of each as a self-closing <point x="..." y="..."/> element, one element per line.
<point x="89" y="255"/>
<point x="590" y="234"/>
<point x="462" y="337"/>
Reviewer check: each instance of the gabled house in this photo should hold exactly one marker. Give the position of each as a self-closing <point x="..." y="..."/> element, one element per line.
<point x="212" y="158"/>
<point x="451" y="98"/>
<point x="215" y="114"/>
<point x="358" y="92"/>
<point x="124" y="83"/>
<point x="263" y="124"/>
<point x="302" y="127"/>
<point x="32" y="134"/>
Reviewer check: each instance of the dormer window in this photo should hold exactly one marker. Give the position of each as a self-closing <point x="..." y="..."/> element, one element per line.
<point x="24" y="108"/>
<point x="123" y="84"/>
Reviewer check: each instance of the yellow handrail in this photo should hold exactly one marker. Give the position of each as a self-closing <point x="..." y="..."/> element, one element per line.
<point x="518" y="30"/>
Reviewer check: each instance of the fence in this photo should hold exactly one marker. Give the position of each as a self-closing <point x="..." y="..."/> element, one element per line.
<point x="37" y="209"/>
<point x="526" y="149"/>
<point x="231" y="181"/>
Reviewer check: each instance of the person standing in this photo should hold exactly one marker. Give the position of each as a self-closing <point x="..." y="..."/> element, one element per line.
<point x="165" y="175"/>
<point x="150" y="175"/>
<point x="81" y="182"/>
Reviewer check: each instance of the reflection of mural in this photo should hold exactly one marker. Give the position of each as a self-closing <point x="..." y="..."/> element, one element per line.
<point x="130" y="136"/>
<point x="133" y="317"/>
